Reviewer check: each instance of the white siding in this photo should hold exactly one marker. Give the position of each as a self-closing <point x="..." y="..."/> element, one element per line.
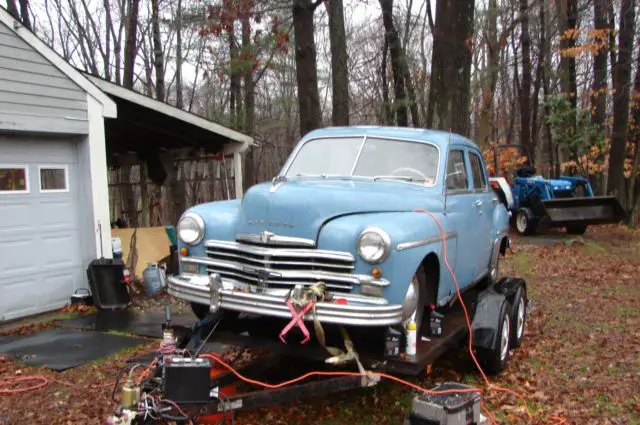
<point x="34" y="94"/>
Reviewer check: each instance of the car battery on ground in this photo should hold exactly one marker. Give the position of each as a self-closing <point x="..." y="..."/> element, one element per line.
<point x="446" y="409"/>
<point x="187" y="380"/>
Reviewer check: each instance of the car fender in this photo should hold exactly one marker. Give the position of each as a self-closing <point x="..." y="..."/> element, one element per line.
<point x="413" y="236"/>
<point x="501" y="186"/>
<point x="486" y="320"/>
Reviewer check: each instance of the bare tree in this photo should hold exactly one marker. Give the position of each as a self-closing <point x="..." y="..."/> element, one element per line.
<point x="131" y="42"/>
<point x="395" y="49"/>
<point x="339" y="70"/>
<point x="306" y="68"/>
<point x="599" y="86"/>
<point x="622" y="72"/>
<point x="179" y="58"/>
<point x="525" y="88"/>
<point x="158" y="53"/>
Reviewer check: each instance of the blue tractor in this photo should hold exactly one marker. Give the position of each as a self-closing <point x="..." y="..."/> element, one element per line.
<point x="536" y="202"/>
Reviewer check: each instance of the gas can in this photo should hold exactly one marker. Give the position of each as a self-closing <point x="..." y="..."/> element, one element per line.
<point x="152" y="278"/>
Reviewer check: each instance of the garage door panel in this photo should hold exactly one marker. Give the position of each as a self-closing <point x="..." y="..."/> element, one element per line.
<point x="19" y="297"/>
<point x="58" y="214"/>
<point x="17" y="257"/>
<point x="15" y="215"/>
<point x="59" y="250"/>
<point x="57" y="288"/>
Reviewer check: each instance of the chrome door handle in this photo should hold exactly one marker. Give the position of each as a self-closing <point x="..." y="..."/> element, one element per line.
<point x="477" y="203"/>
<point x="495" y="200"/>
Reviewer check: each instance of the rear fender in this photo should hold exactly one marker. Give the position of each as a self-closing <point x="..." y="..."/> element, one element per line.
<point x="501" y="186"/>
<point x="486" y="320"/>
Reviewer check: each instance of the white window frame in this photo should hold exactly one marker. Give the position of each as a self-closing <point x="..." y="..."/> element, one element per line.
<point x="27" y="190"/>
<point x="54" y="167"/>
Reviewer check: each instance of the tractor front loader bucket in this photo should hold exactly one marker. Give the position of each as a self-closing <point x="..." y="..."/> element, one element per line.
<point x="577" y="211"/>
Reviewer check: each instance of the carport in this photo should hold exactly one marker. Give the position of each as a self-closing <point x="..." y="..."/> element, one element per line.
<point x="145" y="146"/>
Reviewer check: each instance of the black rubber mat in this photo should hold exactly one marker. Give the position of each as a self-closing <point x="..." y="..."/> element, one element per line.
<point x="61" y="349"/>
<point x="142" y="324"/>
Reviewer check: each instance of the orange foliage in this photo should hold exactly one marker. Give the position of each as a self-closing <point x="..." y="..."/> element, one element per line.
<point x="508" y="161"/>
<point x="596" y="161"/>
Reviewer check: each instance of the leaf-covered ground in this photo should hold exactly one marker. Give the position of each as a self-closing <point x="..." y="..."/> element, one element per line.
<point x="579" y="364"/>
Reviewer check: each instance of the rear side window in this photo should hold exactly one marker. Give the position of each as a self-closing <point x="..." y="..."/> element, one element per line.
<point x="456" y="171"/>
<point x="479" y="181"/>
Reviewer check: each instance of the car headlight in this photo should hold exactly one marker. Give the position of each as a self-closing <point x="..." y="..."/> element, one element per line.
<point x="191" y="228"/>
<point x="373" y="245"/>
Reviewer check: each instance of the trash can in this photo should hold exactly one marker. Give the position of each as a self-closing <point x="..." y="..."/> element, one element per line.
<point x="106" y="280"/>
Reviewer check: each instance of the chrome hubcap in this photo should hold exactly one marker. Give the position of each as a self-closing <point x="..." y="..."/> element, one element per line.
<point x="410" y="303"/>
<point x="521" y="222"/>
<point x="504" y="339"/>
<point x="521" y="310"/>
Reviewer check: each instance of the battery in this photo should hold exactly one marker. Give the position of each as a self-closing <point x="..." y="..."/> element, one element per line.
<point x="187" y="380"/>
<point x="446" y="409"/>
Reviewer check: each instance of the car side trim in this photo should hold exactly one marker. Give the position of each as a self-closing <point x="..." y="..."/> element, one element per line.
<point x="422" y="242"/>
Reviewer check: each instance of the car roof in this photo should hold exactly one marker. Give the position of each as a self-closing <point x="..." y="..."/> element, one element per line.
<point x="439" y="137"/>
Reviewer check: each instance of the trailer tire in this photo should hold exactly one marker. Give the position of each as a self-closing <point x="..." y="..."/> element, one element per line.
<point x="494" y="360"/>
<point x="518" y="317"/>
<point x="525" y="221"/>
<point x="577" y="229"/>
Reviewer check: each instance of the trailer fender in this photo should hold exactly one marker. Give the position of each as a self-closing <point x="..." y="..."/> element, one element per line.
<point x="508" y="286"/>
<point x="486" y="321"/>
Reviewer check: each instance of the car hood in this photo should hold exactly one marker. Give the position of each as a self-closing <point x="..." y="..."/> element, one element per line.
<point x="301" y="207"/>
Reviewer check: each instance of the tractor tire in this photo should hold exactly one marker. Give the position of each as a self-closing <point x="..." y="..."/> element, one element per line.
<point x="525" y="221"/>
<point x="494" y="360"/>
<point x="577" y="229"/>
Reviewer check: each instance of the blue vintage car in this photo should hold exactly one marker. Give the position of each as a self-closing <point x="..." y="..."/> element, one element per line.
<point x="348" y="210"/>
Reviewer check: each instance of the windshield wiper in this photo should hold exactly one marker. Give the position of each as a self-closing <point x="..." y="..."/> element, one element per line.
<point x="406" y="178"/>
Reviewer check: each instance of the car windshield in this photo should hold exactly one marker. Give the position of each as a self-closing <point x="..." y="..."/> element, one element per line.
<point x="377" y="158"/>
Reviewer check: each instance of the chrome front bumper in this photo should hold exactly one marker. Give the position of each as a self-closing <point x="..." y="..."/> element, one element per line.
<point x="223" y="294"/>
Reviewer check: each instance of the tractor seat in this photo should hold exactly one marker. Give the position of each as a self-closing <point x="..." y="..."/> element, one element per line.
<point x="526" y="171"/>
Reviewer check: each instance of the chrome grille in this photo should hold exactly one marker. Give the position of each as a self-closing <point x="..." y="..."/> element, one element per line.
<point x="280" y="267"/>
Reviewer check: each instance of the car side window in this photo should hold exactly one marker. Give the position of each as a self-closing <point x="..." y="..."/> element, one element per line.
<point x="479" y="181"/>
<point x="456" y="171"/>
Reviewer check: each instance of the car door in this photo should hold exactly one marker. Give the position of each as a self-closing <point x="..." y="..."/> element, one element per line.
<point x="462" y="214"/>
<point x="485" y="204"/>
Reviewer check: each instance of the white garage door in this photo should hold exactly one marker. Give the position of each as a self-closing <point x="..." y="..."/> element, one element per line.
<point x="40" y="255"/>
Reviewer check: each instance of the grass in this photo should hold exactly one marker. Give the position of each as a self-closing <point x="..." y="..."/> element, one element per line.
<point x="523" y="264"/>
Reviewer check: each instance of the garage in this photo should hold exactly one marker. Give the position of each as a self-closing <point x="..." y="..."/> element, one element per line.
<point x="40" y="231"/>
<point x="59" y="130"/>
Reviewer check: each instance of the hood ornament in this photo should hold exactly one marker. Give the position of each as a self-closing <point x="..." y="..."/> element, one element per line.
<point x="265" y="237"/>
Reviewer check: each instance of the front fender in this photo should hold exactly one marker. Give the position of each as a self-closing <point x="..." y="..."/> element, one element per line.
<point x="413" y="236"/>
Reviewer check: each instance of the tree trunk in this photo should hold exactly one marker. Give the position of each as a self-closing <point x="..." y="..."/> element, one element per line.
<point x="634" y="196"/>
<point x="131" y="43"/>
<point x="12" y="8"/>
<point x="451" y="67"/>
<point x="249" y="105"/>
<point x="567" y="23"/>
<point x="386" y="105"/>
<point x="622" y="72"/>
<point x="599" y="87"/>
<point x="179" y="99"/>
<point x="158" y="54"/>
<point x="489" y="77"/>
<point x="525" y="87"/>
<point x="24" y="11"/>
<point x="395" y="49"/>
<point x="234" y="83"/>
<point x="546" y="91"/>
<point x="611" y="15"/>
<point x="339" y="70"/>
<point x="306" y="69"/>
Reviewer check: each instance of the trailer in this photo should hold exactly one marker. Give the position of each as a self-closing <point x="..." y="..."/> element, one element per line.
<point x="191" y="379"/>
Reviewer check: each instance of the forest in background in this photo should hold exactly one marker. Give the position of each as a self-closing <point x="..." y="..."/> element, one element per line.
<point x="561" y="77"/>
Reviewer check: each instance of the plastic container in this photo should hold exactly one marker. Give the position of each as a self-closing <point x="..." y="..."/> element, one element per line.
<point x="116" y="247"/>
<point x="153" y="279"/>
<point x="106" y="281"/>
<point x="412" y="338"/>
<point x="82" y="296"/>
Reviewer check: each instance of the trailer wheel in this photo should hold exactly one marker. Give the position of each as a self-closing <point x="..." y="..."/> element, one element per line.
<point x="494" y="360"/>
<point x="518" y="317"/>
<point x="577" y="229"/>
<point x="525" y="221"/>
